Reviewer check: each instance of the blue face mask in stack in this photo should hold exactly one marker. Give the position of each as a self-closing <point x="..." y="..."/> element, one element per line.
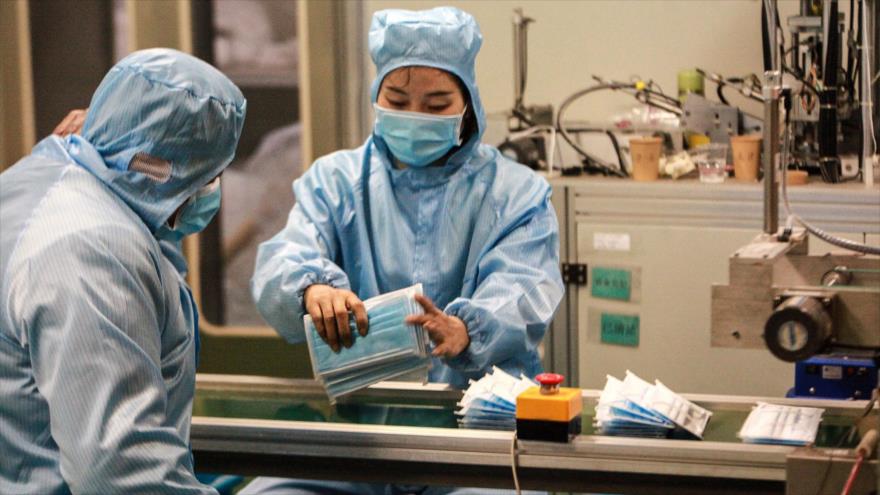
<point x="390" y="348"/>
<point x="490" y="402"/>
<point x="636" y="408"/>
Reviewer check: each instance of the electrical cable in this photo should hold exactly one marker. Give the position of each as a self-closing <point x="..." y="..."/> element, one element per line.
<point x="719" y="90"/>
<point x="792" y="217"/>
<point x="779" y="49"/>
<point x="617" y="150"/>
<point x="522" y="116"/>
<point x="642" y="92"/>
<point x="806" y="84"/>
<point x="851" y="42"/>
<point x="524" y="61"/>
<point x="868" y="98"/>
<point x="848" y="438"/>
<point x="847" y="488"/>
<point x="615" y="143"/>
<point x="513" y="464"/>
<point x="644" y="96"/>
<point x="747" y="86"/>
<point x="591" y="160"/>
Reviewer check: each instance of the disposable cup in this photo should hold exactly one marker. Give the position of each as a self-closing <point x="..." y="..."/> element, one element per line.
<point x="746" y="157"/>
<point x="645" y="153"/>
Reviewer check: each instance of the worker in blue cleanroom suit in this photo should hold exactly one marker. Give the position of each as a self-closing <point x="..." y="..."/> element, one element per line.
<point x="98" y="330"/>
<point x="421" y="201"/>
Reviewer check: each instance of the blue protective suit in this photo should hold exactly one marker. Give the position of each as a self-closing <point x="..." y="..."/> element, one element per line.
<point x="97" y="326"/>
<point x="479" y="231"/>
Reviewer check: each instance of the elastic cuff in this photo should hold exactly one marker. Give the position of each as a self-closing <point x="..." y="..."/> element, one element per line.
<point x="472" y="320"/>
<point x="310" y="280"/>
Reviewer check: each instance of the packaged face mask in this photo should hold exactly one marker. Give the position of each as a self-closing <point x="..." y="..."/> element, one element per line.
<point x="677" y="409"/>
<point x="618" y="415"/>
<point x="782" y="425"/>
<point x="490" y="402"/>
<point x="634" y="407"/>
<point x="391" y="347"/>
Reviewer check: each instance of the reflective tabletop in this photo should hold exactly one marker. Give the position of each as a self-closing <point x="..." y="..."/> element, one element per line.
<point x="303" y="400"/>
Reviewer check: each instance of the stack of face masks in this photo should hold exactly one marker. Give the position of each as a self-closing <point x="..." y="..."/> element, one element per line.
<point x="490" y="402"/>
<point x="636" y="408"/>
<point x="783" y="425"/>
<point x="391" y="347"/>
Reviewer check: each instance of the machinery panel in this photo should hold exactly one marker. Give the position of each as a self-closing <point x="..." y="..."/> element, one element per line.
<point x="675" y="239"/>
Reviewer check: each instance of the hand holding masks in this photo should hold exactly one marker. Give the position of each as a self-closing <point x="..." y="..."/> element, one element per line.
<point x="390" y="348"/>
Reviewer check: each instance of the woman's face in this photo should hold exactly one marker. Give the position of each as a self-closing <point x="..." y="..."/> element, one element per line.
<point x="421" y="89"/>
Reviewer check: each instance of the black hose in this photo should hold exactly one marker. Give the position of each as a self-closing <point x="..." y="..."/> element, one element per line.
<point x="591" y="161"/>
<point x="719" y="90"/>
<point x="522" y="116"/>
<point x="617" y="151"/>
<point x="807" y="85"/>
<point x="670" y="104"/>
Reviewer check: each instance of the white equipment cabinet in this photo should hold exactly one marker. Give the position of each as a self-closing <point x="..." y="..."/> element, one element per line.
<point x="673" y="239"/>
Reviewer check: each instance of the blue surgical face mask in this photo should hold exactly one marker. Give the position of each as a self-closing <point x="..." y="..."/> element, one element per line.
<point x="196" y="214"/>
<point x="388" y="336"/>
<point x="391" y="347"/>
<point x="418" y="139"/>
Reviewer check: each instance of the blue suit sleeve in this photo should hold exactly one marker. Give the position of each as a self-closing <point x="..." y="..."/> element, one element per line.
<point x="299" y="256"/>
<point x="93" y="313"/>
<point x="518" y="288"/>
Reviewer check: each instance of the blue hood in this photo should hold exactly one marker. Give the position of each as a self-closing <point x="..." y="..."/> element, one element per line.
<point x="444" y="38"/>
<point x="181" y="116"/>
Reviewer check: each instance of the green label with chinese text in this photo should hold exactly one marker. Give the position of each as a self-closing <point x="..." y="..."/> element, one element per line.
<point x="620" y="329"/>
<point x="611" y="283"/>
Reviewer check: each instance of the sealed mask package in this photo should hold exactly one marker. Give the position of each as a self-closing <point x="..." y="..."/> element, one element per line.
<point x="635" y="407"/>
<point x="783" y="425"/>
<point x="617" y="414"/>
<point x="490" y="402"/>
<point x="684" y="413"/>
<point x="391" y="347"/>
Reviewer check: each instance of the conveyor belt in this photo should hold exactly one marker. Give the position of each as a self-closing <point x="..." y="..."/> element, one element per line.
<point x="265" y="426"/>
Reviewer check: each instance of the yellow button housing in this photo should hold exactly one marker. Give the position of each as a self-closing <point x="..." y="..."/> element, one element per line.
<point x="561" y="406"/>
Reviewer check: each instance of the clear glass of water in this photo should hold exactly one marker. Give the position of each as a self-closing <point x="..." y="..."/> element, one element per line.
<point x="711" y="161"/>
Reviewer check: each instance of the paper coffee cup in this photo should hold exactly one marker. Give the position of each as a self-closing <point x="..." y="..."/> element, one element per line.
<point x="645" y="156"/>
<point x="746" y="157"/>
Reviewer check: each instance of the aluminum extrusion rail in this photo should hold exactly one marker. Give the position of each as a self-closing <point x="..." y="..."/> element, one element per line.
<point x="479" y="458"/>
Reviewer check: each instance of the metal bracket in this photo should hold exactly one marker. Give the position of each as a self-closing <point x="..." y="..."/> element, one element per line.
<point x="574" y="273"/>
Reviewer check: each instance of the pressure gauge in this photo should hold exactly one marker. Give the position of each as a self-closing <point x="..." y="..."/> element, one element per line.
<point x="798" y="328"/>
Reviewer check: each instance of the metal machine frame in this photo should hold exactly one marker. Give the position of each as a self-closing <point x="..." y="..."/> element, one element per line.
<point x="459" y="457"/>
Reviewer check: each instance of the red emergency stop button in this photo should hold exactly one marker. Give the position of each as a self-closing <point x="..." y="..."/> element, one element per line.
<point x="549" y="382"/>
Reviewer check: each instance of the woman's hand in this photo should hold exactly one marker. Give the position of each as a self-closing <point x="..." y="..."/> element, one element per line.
<point x="448" y="333"/>
<point x="329" y="309"/>
<point x="72" y="124"/>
